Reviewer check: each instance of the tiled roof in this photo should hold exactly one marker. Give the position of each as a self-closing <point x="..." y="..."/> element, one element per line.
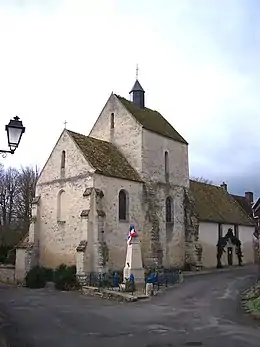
<point x="152" y="120"/>
<point x="215" y="204"/>
<point x="243" y="202"/>
<point x="104" y="157"/>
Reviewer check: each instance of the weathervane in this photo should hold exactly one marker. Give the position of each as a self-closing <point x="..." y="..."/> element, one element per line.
<point x="137" y="70"/>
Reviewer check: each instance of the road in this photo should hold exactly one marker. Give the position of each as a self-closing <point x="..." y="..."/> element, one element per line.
<point x="203" y="311"/>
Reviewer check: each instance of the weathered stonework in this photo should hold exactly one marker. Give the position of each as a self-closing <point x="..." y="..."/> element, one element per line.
<point x="90" y="233"/>
<point x="124" y="125"/>
<point x="193" y="248"/>
<point x="164" y="242"/>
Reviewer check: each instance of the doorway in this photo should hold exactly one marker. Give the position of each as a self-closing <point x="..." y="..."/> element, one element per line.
<point x="230" y="256"/>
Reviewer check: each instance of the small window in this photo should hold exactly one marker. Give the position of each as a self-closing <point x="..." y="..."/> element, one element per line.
<point x="166" y="166"/>
<point x="169" y="216"/>
<point x="112" y="121"/>
<point x="61" y="206"/>
<point x="123" y="205"/>
<point x="63" y="158"/>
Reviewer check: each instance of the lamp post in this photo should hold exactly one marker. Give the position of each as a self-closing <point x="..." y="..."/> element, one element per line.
<point x="15" y="130"/>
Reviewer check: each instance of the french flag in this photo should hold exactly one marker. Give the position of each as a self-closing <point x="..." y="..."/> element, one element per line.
<point x="131" y="233"/>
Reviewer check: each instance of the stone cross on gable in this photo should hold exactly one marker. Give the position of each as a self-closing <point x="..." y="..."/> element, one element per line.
<point x="65" y="124"/>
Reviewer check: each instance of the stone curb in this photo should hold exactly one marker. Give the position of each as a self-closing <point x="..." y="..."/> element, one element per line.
<point x="111" y="294"/>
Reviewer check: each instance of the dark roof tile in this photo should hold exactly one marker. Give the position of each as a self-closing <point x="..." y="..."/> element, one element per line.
<point x="152" y="120"/>
<point x="214" y="204"/>
<point x="104" y="157"/>
<point x="244" y="203"/>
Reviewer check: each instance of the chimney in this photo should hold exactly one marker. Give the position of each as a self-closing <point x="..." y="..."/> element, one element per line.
<point x="249" y="197"/>
<point x="224" y="186"/>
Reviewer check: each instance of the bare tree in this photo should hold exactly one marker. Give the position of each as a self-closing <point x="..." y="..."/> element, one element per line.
<point x="27" y="183"/>
<point x="202" y="180"/>
<point x="17" y="190"/>
<point x="8" y="194"/>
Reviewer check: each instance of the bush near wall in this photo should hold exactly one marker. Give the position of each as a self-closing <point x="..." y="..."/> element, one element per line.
<point x="65" y="278"/>
<point x="36" y="277"/>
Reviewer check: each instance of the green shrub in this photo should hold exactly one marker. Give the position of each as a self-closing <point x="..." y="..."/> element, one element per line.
<point x="254" y="305"/>
<point x="65" y="277"/>
<point x="49" y="275"/>
<point x="35" y="278"/>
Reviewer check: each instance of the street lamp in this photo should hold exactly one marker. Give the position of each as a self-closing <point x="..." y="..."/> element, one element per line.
<point x="15" y="130"/>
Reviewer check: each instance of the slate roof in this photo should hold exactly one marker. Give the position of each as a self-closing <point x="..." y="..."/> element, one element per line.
<point x="243" y="202"/>
<point x="152" y="120"/>
<point x="214" y="204"/>
<point x="137" y="87"/>
<point x="104" y="157"/>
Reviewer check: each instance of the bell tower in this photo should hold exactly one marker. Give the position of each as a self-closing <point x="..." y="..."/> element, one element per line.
<point x="137" y="93"/>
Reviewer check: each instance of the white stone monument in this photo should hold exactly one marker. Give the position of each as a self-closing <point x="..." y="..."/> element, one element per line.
<point x="133" y="262"/>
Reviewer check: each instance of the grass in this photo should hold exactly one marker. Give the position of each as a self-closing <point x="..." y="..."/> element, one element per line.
<point x="251" y="300"/>
<point x="253" y="305"/>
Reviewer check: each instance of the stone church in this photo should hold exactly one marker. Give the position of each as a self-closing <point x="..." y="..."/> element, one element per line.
<point x="132" y="168"/>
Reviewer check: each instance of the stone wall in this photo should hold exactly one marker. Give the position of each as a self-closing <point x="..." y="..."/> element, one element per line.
<point x="76" y="165"/>
<point x="163" y="243"/>
<point x="58" y="239"/>
<point x="126" y="134"/>
<point x="115" y="231"/>
<point x="7" y="274"/>
<point x="193" y="247"/>
<point x="153" y="163"/>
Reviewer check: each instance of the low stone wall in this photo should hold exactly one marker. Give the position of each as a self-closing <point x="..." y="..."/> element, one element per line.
<point x="7" y="273"/>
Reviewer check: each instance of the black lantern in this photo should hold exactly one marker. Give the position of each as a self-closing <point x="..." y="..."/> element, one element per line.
<point x="15" y="130"/>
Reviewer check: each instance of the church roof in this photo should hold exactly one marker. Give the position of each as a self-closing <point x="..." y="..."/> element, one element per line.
<point x="152" y="120"/>
<point x="137" y="87"/>
<point x="215" y="204"/>
<point x="105" y="158"/>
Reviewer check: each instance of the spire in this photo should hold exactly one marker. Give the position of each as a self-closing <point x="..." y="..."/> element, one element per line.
<point x="137" y="92"/>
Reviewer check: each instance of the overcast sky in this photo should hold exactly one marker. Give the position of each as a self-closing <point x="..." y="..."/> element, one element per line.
<point x="198" y="63"/>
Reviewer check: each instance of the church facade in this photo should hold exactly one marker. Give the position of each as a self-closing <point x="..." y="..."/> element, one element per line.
<point x="131" y="169"/>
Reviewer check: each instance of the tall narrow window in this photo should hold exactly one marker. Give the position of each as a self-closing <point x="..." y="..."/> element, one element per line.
<point x="62" y="164"/>
<point x="123" y="203"/>
<point x="166" y="166"/>
<point x="63" y="158"/>
<point x="168" y="207"/>
<point x="61" y="206"/>
<point x="112" y="121"/>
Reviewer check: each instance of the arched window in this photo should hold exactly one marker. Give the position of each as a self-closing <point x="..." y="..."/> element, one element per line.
<point x="166" y="166"/>
<point x="168" y="208"/>
<point x="123" y="205"/>
<point x="61" y="206"/>
<point x="112" y="121"/>
<point x="63" y="158"/>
